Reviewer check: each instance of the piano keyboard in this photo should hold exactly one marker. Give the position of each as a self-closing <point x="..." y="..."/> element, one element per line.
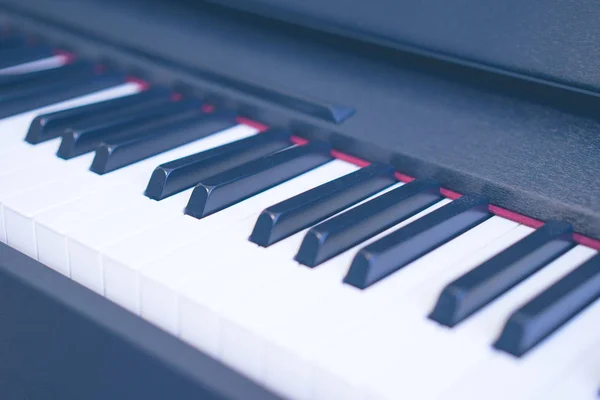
<point x="315" y="276"/>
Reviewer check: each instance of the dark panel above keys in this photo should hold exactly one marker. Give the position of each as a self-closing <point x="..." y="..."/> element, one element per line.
<point x="352" y="227"/>
<point x="400" y="248"/>
<point x="127" y="150"/>
<point x="292" y="215"/>
<point x="67" y="90"/>
<point x="227" y="188"/>
<point x="51" y="125"/>
<point x="88" y="135"/>
<point x="14" y="56"/>
<point x="488" y="281"/>
<point x="551" y="309"/>
<point x="178" y="175"/>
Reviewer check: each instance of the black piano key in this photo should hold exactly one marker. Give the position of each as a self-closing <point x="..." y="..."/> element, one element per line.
<point x="11" y="41"/>
<point x="16" y="86"/>
<point x="232" y="186"/>
<point x="400" y="248"/>
<point x="178" y="175"/>
<point x="346" y="230"/>
<point x="89" y="134"/>
<point x="11" y="57"/>
<point x="299" y="212"/>
<point x="482" y="285"/>
<point x="49" y="126"/>
<point x="140" y="145"/>
<point x="551" y="309"/>
<point x="65" y="91"/>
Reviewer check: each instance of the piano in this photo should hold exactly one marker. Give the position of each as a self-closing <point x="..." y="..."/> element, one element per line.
<point x="299" y="200"/>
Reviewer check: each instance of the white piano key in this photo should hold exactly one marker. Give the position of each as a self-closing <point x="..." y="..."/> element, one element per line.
<point x="503" y="376"/>
<point x="489" y="322"/>
<point x="22" y="209"/>
<point x="246" y="270"/>
<point x="244" y="321"/>
<point x="450" y="354"/>
<point x="53" y="226"/>
<point x="162" y="278"/>
<point x="425" y="298"/>
<point x="37" y="65"/>
<point x="31" y="178"/>
<point x="298" y="338"/>
<point x="578" y="381"/>
<point x="28" y="156"/>
<point x="86" y="242"/>
<point x="13" y="129"/>
<point x="250" y="269"/>
<point x="122" y="260"/>
<point x="457" y="351"/>
<point x="333" y="360"/>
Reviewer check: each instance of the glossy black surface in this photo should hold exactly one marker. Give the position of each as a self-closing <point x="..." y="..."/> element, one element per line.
<point x="90" y="133"/>
<point x="227" y="188"/>
<point x="130" y="148"/>
<point x="537" y="39"/>
<point x="296" y="213"/>
<point x="175" y="176"/>
<point x="56" y="93"/>
<point x="51" y="125"/>
<point x="551" y="309"/>
<point x="352" y="227"/>
<point x="16" y="86"/>
<point x="400" y="248"/>
<point x="11" y="40"/>
<point x="499" y="274"/>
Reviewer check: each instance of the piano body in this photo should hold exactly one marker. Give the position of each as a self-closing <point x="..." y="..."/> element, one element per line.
<point x="305" y="200"/>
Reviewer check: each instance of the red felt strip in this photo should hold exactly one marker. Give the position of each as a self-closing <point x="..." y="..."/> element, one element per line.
<point x="208" y="108"/>
<point x="144" y="85"/>
<point x="68" y="56"/>
<point x="298" y="140"/>
<point x="261" y="127"/>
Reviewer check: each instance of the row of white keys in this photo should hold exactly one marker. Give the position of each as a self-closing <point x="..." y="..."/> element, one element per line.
<point x="250" y="269"/>
<point x="86" y="241"/>
<point x="503" y="376"/>
<point x="418" y="349"/>
<point x="162" y="280"/>
<point x="292" y="342"/>
<point x="459" y="350"/>
<point x="53" y="226"/>
<point x="38" y="65"/>
<point x="339" y="370"/>
<point x="245" y="321"/>
<point x="399" y="322"/>
<point x="13" y="129"/>
<point x="27" y="167"/>
<point x="125" y="184"/>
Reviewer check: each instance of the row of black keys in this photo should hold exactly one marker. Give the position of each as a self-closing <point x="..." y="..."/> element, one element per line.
<point x="128" y="129"/>
<point x="228" y="174"/>
<point x="460" y="299"/>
